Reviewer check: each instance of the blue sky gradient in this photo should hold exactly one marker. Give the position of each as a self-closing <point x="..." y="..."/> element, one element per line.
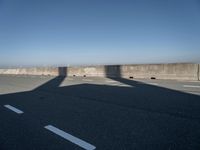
<point x="83" y="32"/>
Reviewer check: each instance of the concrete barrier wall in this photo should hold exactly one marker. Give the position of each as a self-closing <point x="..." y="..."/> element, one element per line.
<point x="182" y="71"/>
<point x="88" y="71"/>
<point x="162" y="71"/>
<point x="31" y="71"/>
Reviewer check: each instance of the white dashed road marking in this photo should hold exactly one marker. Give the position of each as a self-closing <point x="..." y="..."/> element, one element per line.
<point x="195" y="93"/>
<point x="121" y="85"/>
<point x="153" y="83"/>
<point x="125" y="85"/>
<point x="70" y="138"/>
<point x="14" y="109"/>
<point x="191" y="86"/>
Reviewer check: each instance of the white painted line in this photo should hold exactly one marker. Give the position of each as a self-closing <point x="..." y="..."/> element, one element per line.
<point x="191" y="86"/>
<point x="87" y="80"/>
<point x="153" y="83"/>
<point x="70" y="138"/>
<point x="14" y="109"/>
<point x="125" y="85"/>
<point x="194" y="93"/>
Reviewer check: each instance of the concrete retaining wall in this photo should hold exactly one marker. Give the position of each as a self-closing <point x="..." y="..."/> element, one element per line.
<point x="183" y="71"/>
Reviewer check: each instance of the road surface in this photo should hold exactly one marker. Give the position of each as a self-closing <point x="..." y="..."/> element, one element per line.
<point x="77" y="113"/>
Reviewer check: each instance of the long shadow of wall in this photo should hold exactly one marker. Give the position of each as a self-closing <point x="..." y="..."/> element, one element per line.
<point x="153" y="98"/>
<point x="164" y="116"/>
<point x="55" y="82"/>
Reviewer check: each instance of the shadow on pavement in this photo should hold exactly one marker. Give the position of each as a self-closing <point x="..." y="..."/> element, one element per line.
<point x="139" y="117"/>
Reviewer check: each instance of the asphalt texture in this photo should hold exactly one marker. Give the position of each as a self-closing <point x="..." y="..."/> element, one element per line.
<point x="108" y="113"/>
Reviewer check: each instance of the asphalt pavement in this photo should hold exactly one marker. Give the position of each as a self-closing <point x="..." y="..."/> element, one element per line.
<point x="74" y="113"/>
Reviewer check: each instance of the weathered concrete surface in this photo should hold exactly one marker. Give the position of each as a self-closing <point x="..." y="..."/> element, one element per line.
<point x="88" y="71"/>
<point x="31" y="71"/>
<point x="182" y="71"/>
<point x="162" y="71"/>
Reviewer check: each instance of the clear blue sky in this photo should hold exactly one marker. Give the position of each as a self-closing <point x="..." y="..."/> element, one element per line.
<point x="64" y="32"/>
